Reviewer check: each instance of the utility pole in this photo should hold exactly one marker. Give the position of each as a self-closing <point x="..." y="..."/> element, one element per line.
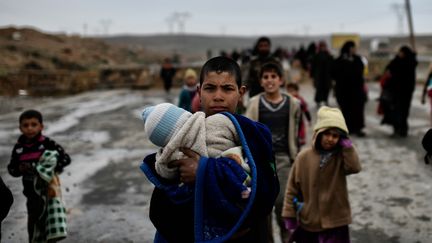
<point x="181" y="19"/>
<point x="170" y="21"/>
<point x="178" y="18"/>
<point x="85" y="28"/>
<point x="106" y="24"/>
<point x="398" y="8"/>
<point x="410" y="24"/>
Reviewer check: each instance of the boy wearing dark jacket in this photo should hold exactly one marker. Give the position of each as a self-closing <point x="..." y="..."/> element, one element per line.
<point x="212" y="210"/>
<point x="5" y="202"/>
<point x="25" y="157"/>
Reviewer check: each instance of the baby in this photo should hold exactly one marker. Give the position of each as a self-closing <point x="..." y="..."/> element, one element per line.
<point x="171" y="128"/>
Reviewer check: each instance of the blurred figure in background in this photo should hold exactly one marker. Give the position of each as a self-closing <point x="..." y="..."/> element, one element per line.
<point x="427" y="145"/>
<point x="427" y="90"/>
<point x="189" y="90"/>
<point x="321" y="73"/>
<point x="262" y="51"/>
<point x="350" y="87"/>
<point x="400" y="87"/>
<point x="167" y="74"/>
<point x="294" y="90"/>
<point x="6" y="201"/>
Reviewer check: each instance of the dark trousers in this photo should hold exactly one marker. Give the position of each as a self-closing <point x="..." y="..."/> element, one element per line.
<point x="335" y="235"/>
<point x="34" y="211"/>
<point x="283" y="166"/>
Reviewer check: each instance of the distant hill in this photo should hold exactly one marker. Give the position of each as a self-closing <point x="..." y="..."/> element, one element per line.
<point x="194" y="45"/>
<point x="198" y="45"/>
<point x="25" y="48"/>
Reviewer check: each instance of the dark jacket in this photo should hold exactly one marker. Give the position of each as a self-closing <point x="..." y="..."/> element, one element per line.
<point x="29" y="152"/>
<point x="322" y="69"/>
<point x="209" y="210"/>
<point x="348" y="75"/>
<point x="402" y="77"/>
<point x="6" y="201"/>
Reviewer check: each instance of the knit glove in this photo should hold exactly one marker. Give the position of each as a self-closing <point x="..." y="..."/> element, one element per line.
<point x="290" y="223"/>
<point x="345" y="143"/>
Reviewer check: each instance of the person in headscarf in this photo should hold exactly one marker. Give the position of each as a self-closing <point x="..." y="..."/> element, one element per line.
<point x="399" y="86"/>
<point x="350" y="87"/>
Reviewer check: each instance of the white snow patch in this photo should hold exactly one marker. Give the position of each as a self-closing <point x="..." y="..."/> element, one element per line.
<point x="87" y="108"/>
<point x="86" y="165"/>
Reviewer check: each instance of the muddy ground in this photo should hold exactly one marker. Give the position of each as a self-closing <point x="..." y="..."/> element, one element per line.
<point x="107" y="196"/>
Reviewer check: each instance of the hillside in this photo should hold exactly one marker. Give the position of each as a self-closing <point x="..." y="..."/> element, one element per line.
<point x="197" y="45"/>
<point x="25" y="48"/>
<point x="30" y="49"/>
<point x="40" y="63"/>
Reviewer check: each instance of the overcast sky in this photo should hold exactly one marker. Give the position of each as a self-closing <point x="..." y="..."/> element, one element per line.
<point x="229" y="17"/>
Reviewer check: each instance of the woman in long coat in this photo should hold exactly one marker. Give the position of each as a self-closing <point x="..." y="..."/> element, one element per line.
<point x="400" y="87"/>
<point x="350" y="88"/>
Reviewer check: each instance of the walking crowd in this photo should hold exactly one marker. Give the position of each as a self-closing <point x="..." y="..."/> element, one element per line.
<point x="234" y="155"/>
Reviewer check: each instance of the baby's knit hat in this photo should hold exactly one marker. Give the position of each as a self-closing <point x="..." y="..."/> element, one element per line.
<point x="190" y="73"/>
<point x="330" y="117"/>
<point x="162" y="122"/>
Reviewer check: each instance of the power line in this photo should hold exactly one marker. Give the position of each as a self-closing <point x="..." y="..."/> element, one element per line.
<point x="179" y="19"/>
<point x="399" y="10"/>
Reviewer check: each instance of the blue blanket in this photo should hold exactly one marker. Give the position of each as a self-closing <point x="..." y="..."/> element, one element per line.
<point x="219" y="210"/>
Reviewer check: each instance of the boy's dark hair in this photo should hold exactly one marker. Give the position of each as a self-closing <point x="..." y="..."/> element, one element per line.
<point x="293" y="86"/>
<point x="221" y="64"/>
<point x="263" y="39"/>
<point x="346" y="47"/>
<point x="271" y="67"/>
<point x="28" y="114"/>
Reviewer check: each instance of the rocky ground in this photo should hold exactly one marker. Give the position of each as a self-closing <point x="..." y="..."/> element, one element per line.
<point x="107" y="196"/>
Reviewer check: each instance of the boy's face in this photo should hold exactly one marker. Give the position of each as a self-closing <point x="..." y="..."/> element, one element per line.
<point x="271" y="82"/>
<point x="190" y="81"/>
<point x="30" y="127"/>
<point x="330" y="139"/>
<point x="219" y="92"/>
<point x="292" y="91"/>
<point x="263" y="48"/>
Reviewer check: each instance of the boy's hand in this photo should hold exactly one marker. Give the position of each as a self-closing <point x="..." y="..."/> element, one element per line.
<point x="24" y="167"/>
<point x="187" y="167"/>
<point x="290" y="224"/>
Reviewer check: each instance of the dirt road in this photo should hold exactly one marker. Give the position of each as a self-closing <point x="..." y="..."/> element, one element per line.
<point x="107" y="196"/>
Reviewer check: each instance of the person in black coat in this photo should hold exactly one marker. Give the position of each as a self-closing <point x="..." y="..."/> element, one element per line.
<point x="262" y="50"/>
<point x="427" y="145"/>
<point x="400" y="86"/>
<point x="5" y="202"/>
<point x="350" y="87"/>
<point x="321" y="73"/>
<point x="167" y="74"/>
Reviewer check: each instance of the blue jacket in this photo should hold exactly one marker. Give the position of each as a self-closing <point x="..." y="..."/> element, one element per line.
<point x="212" y="210"/>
